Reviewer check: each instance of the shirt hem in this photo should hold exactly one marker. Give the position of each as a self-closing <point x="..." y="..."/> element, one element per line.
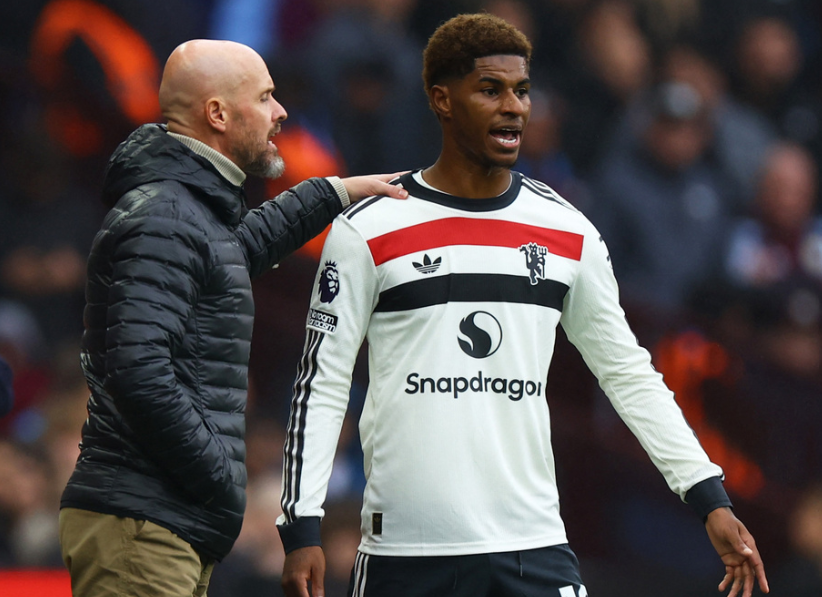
<point x="460" y="549"/>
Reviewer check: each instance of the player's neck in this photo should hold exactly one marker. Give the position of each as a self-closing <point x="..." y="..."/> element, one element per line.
<point x="467" y="179"/>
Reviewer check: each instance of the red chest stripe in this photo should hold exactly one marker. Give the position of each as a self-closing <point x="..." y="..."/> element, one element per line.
<point x="471" y="231"/>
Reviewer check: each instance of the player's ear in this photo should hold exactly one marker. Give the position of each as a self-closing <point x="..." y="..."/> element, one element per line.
<point x="440" y="100"/>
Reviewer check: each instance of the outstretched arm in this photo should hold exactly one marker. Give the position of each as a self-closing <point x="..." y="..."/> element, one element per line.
<point x="284" y="224"/>
<point x="304" y="567"/>
<point x="737" y="548"/>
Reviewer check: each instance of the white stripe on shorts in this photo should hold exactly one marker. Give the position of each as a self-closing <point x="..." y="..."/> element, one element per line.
<point x="360" y="574"/>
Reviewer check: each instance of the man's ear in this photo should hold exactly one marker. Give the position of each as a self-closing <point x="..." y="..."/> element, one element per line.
<point x="440" y="100"/>
<point x="215" y="112"/>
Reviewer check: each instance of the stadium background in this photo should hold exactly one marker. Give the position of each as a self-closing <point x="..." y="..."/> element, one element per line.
<point x="657" y="118"/>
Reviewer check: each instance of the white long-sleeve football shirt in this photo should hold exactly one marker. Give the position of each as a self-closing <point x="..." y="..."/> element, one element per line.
<point x="459" y="301"/>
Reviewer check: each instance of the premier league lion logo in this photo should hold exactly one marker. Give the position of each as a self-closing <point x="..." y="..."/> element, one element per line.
<point x="329" y="282"/>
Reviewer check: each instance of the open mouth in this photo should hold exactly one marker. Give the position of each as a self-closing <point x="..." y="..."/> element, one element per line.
<point x="507" y="136"/>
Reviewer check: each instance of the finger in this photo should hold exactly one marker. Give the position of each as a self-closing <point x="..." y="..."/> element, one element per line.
<point x="318" y="586"/>
<point x="760" y="576"/>
<point x="318" y="579"/>
<point x="757" y="567"/>
<point x="749" y="580"/>
<point x="390" y="177"/>
<point x="742" y="548"/>
<point x="392" y="190"/>
<point x="737" y="584"/>
<point x="749" y="585"/>
<point x="727" y="579"/>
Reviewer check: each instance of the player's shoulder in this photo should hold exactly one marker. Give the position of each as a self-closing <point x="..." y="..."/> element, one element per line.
<point x="370" y="206"/>
<point x="380" y="214"/>
<point x="553" y="205"/>
<point x="540" y="190"/>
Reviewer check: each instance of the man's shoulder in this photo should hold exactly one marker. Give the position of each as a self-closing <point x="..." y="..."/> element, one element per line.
<point x="159" y="203"/>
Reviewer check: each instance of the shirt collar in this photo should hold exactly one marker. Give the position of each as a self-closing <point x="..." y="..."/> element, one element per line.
<point x="224" y="166"/>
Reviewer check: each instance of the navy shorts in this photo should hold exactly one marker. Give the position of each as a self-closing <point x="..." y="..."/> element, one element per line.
<point x="544" y="572"/>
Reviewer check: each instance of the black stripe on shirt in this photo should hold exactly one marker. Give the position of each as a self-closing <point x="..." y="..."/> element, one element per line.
<point x="544" y="191"/>
<point x="355" y="208"/>
<point x="464" y="288"/>
<point x="295" y="438"/>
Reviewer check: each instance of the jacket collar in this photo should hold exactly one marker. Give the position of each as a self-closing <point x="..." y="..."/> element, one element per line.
<point x="149" y="155"/>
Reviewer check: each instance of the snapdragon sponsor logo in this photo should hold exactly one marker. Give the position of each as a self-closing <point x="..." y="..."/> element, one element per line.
<point x="480" y="334"/>
<point x="513" y="389"/>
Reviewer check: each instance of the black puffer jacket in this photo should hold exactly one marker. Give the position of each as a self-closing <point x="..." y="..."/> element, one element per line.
<point x="168" y="330"/>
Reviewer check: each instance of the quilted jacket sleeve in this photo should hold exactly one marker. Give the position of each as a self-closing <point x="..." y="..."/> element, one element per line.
<point x="282" y="225"/>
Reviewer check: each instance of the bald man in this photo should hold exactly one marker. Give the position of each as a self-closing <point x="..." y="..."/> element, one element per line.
<point x="158" y="492"/>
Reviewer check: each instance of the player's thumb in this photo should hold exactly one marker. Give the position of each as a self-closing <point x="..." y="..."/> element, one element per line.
<point x="318" y="583"/>
<point x="317" y="588"/>
<point x="742" y="548"/>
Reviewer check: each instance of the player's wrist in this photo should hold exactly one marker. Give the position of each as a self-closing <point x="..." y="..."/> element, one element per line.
<point x="707" y="496"/>
<point x="303" y="532"/>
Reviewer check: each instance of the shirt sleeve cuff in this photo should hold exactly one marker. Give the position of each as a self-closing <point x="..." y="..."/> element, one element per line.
<point x="303" y="532"/>
<point x="706" y="496"/>
<point x="338" y="185"/>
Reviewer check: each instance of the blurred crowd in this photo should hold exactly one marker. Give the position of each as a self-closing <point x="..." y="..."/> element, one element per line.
<point x="688" y="131"/>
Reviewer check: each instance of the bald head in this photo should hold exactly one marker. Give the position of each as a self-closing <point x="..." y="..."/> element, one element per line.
<point x="201" y="70"/>
<point x="221" y="93"/>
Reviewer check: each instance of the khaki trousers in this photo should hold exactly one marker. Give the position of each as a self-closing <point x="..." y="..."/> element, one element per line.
<point x="108" y="555"/>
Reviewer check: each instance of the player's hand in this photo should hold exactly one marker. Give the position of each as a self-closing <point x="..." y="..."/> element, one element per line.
<point x="303" y="566"/>
<point x="360" y="187"/>
<point x="737" y="548"/>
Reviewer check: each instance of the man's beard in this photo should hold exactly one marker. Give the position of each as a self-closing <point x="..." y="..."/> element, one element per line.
<point x="265" y="163"/>
<point x="266" y="166"/>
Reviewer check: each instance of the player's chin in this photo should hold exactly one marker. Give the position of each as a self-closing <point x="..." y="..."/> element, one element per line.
<point x="507" y="161"/>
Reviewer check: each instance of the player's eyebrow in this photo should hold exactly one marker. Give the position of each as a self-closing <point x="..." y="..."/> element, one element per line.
<point x="498" y="81"/>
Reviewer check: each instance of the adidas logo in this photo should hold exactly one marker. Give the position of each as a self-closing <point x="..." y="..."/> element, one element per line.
<point x="427" y="266"/>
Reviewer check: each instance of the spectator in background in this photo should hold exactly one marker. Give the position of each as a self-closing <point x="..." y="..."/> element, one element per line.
<point x="765" y="305"/>
<point x="775" y="338"/>
<point x="768" y="64"/>
<point x="48" y="225"/>
<point x="364" y="66"/>
<point x="28" y="525"/>
<point x="741" y="134"/>
<point x="801" y="576"/>
<point x="667" y="22"/>
<point x="611" y="64"/>
<point x="21" y="345"/>
<point x="659" y="202"/>
<point x="782" y="238"/>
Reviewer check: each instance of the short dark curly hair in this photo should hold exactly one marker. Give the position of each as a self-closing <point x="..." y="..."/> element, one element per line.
<point x="457" y="43"/>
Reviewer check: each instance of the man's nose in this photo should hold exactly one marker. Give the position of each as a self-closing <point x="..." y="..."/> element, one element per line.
<point x="278" y="114"/>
